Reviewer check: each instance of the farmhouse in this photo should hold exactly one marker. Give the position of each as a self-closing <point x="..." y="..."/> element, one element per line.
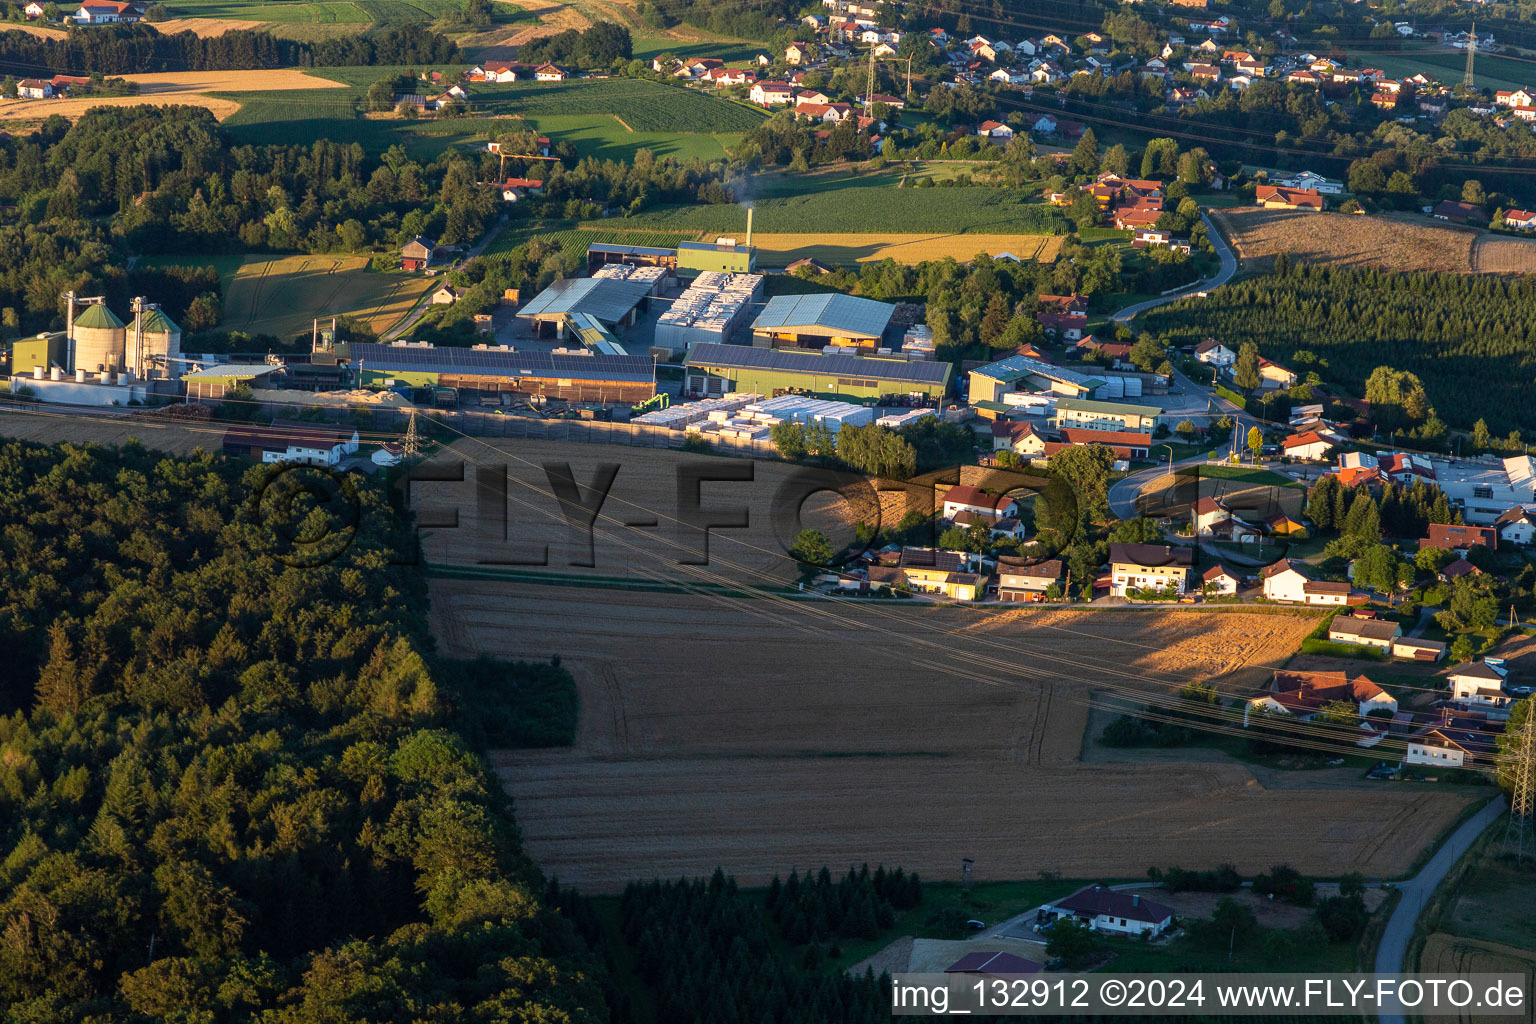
<point x="34" y="89"/>
<point x="1520" y="220"/>
<point x="1214" y="353"/>
<point x="1275" y="197"/>
<point x="1063" y="315"/>
<point x="1458" y="213"/>
<point x="1148" y="567"/>
<point x="315" y="444"/>
<point x="965" y="498"/>
<point x="584" y="378"/>
<point x="1304" y="694"/>
<point x="817" y="321"/>
<point x="417" y="253"/>
<point x="1218" y="581"/>
<point x="105" y="12"/>
<point x="447" y="295"/>
<point x="1363" y="631"/>
<point x="1124" y="913"/>
<point x="717" y="369"/>
<point x="1281" y="582"/>
<point x="550" y="73"/>
<point x="1077" y="412"/>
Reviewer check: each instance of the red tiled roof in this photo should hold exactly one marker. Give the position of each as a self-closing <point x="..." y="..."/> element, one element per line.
<point x="1094" y="900"/>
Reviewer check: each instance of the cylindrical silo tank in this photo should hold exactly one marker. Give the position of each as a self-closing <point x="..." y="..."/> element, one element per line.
<point x="100" y="339"/>
<point x="162" y="338"/>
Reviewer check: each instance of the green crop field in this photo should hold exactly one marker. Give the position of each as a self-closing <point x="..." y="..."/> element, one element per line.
<point x="1492" y="71"/>
<point x="318" y="12"/>
<point x="578" y="238"/>
<point x="642" y="106"/>
<point x="732" y="51"/>
<point x="873" y="209"/>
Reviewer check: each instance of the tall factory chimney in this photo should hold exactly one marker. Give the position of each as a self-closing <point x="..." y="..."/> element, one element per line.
<point x="69" y="331"/>
<point x="749" y="227"/>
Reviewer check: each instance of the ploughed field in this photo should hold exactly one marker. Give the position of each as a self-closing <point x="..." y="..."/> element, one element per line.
<point x="767" y="733"/>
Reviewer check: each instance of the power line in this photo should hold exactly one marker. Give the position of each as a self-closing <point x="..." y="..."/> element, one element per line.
<point x="1520" y="765"/>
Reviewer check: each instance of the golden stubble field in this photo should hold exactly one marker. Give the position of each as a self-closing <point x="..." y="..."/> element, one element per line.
<point x="281" y="295"/>
<point x="780" y="249"/>
<point x="173" y="88"/>
<point x="1395" y="241"/>
<point x="765" y="733"/>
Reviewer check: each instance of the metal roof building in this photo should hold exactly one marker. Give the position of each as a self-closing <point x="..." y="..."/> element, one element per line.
<point x="735" y="259"/>
<point x="770" y="371"/>
<point x="603" y="378"/>
<point x="603" y="253"/>
<point x="606" y="299"/>
<point x="815" y="321"/>
<point x="990" y="382"/>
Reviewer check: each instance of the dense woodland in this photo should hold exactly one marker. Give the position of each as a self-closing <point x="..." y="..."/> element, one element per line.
<point x="136" y="49"/>
<point x="229" y="786"/>
<point x="1470" y="339"/>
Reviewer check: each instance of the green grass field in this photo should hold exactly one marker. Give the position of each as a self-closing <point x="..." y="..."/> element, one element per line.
<point x="641" y="105"/>
<point x="871" y="205"/>
<point x="732" y="51"/>
<point x="318" y="12"/>
<point x="1492" y="71"/>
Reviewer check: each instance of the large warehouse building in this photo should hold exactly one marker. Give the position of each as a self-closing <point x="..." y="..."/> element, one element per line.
<point x="717" y="369"/>
<point x="816" y="321"/>
<point x="577" y="378"/>
<point x="1020" y="373"/>
<point x="711" y="310"/>
<point x="611" y="300"/>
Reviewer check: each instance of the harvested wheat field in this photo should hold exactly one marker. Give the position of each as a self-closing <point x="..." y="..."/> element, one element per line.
<point x="1453" y="954"/>
<point x="54" y="428"/>
<point x="644" y="491"/>
<point x="172" y="88"/>
<point x="1493" y="254"/>
<point x="1399" y="242"/>
<point x="205" y="28"/>
<point x="763" y="734"/>
<point x="780" y="249"/>
<point x="41" y="31"/>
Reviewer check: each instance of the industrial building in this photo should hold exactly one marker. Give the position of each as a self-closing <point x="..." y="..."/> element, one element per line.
<point x="710" y="311"/>
<point x="611" y="298"/>
<point x="314" y="444"/>
<point x="100" y="343"/>
<point x="42" y="352"/>
<point x="717" y="369"/>
<point x="217" y="381"/>
<point x="723" y="256"/>
<point x="586" y="377"/>
<point x="816" y="321"/>
<point x="602" y="254"/>
<point x="992" y="382"/>
<point x="1074" y="412"/>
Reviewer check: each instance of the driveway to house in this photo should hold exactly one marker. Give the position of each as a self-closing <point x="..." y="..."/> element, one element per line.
<point x="1223" y="275"/>
<point x="1416" y="893"/>
<point x="424" y="303"/>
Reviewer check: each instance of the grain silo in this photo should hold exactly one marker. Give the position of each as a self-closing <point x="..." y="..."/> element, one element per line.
<point x="154" y="342"/>
<point x="99" y="339"/>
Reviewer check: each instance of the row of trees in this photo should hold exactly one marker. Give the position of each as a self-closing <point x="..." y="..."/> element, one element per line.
<point x="856" y="906"/>
<point x="1460" y="344"/>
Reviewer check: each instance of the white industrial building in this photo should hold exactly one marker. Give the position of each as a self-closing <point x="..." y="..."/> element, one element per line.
<point x="710" y="311"/>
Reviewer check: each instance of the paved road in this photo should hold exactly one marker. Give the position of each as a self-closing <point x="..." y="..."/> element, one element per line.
<point x="1223" y="275"/>
<point x="425" y="303"/>
<point x="1416" y="892"/>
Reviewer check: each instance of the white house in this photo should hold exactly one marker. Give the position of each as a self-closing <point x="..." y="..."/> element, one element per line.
<point x="1123" y="913"/>
<point x="771" y="94"/>
<point x="1273" y="375"/>
<point x="315" y="444"/>
<point x="1284" y="583"/>
<point x="1479" y="685"/>
<point x="1364" y="632"/>
<point x="34" y="89"/>
<point x="1214" y="353"/>
<point x="1311" y="180"/>
<point x="1517" y="526"/>
<point x="965" y="498"/>
<point x="388" y="454"/>
<point x="1218" y="582"/>
<point x="1310" y="446"/>
<point x="105" y="12"/>
<point x="1304" y="695"/>
<point x="1454" y="741"/>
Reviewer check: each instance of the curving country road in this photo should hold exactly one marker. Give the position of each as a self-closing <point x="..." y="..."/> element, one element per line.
<point x="1223" y="275"/>
<point x="1416" y="892"/>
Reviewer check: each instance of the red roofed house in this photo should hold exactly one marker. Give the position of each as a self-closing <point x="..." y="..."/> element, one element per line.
<point x="770" y="94"/>
<point x="1218" y="582"/>
<point x="965" y="498"/>
<point x="1019" y="438"/>
<point x="1126" y="443"/>
<point x="1458" y="213"/>
<point x="1274" y="197"/>
<point x="1460" y="538"/>
<point x="1107" y="910"/>
<point x="1310" y="445"/>
<point x="1063" y="315"/>
<point x="1303" y="694"/>
<point x="34" y="89"/>
<point x="994" y="130"/>
<point x="1520" y="220"/>
<point x="1283" y="583"/>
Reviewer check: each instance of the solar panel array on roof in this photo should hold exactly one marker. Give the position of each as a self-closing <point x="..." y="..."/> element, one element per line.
<point x="743" y="357"/>
<point x="608" y="299"/>
<point x="494" y="363"/>
<point x="1014" y="367"/>
<point x="844" y="315"/>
